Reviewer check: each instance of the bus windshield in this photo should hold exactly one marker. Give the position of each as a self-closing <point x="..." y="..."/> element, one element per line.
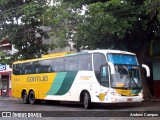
<point x="127" y="71"/>
<point x="126" y="76"/>
<point x="122" y="59"/>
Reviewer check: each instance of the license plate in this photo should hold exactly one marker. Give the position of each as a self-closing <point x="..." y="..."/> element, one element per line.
<point x="129" y="99"/>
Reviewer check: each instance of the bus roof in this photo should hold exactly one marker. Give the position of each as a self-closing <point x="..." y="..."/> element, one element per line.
<point x="105" y="51"/>
<point x="62" y="54"/>
<point x="48" y="56"/>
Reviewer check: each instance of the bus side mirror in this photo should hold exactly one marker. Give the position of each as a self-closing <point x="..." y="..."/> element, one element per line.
<point x="112" y="68"/>
<point x="147" y="69"/>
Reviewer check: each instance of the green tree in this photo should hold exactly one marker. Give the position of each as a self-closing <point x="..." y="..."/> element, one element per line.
<point x="3" y="57"/>
<point x="63" y="19"/>
<point x="106" y="23"/>
<point x="116" y="24"/>
<point x="21" y="23"/>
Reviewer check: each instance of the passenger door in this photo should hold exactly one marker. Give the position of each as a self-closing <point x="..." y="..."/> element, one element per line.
<point x="99" y="60"/>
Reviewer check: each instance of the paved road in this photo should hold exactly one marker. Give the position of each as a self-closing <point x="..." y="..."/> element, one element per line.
<point x="71" y="110"/>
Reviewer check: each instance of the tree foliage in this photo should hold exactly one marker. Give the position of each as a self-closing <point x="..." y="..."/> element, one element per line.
<point x="111" y="24"/>
<point x="63" y="19"/>
<point x="21" y="23"/>
<point x="106" y="23"/>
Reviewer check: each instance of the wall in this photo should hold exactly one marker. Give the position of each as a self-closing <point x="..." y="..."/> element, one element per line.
<point x="156" y="78"/>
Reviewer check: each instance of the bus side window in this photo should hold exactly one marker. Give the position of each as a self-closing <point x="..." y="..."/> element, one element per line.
<point x="46" y="68"/>
<point x="85" y="62"/>
<point x="46" y="65"/>
<point x="27" y="71"/>
<point x="16" y="69"/>
<point x="33" y="69"/>
<point x="53" y="69"/>
<point x="71" y="63"/>
<point x="22" y="70"/>
<point x="28" y="68"/>
<point x="98" y="60"/>
<point x="36" y="67"/>
<point x="58" y="65"/>
<point x="49" y="69"/>
<point x="38" y="70"/>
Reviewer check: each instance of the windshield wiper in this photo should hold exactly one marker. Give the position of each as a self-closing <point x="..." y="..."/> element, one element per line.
<point x="134" y="82"/>
<point x="128" y="81"/>
<point x="131" y="78"/>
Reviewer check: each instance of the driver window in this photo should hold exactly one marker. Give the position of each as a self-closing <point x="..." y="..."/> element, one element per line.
<point x="104" y="76"/>
<point x="98" y="60"/>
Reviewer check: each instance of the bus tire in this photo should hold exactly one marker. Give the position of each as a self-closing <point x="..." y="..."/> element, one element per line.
<point x="25" y="97"/>
<point x="87" y="100"/>
<point x="32" y="99"/>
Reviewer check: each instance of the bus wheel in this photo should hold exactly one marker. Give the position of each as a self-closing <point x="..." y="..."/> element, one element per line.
<point x="32" y="97"/>
<point x="25" y="98"/>
<point x="87" y="100"/>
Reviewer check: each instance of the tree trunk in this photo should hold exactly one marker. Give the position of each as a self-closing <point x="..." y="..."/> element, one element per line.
<point x="148" y="35"/>
<point x="143" y="54"/>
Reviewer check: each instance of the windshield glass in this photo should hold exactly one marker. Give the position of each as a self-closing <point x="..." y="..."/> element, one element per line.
<point x="127" y="71"/>
<point x="126" y="59"/>
<point x="126" y="76"/>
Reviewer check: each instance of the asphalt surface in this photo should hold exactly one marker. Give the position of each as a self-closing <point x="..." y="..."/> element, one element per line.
<point x="153" y="105"/>
<point x="8" y="98"/>
<point x="153" y="102"/>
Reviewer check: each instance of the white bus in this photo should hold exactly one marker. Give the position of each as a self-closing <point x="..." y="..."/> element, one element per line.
<point x="96" y="76"/>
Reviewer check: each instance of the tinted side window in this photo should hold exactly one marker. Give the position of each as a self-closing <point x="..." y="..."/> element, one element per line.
<point x="46" y="66"/>
<point x="58" y="65"/>
<point x="85" y="62"/>
<point x="36" y="67"/>
<point x="26" y="68"/>
<point x="98" y="60"/>
<point x="71" y="63"/>
<point x="17" y="68"/>
<point x="104" y="76"/>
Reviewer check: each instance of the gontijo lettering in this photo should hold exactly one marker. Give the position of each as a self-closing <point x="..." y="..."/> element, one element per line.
<point x="37" y="79"/>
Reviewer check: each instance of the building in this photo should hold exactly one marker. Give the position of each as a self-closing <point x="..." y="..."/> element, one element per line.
<point x="5" y="70"/>
<point x="154" y="60"/>
<point x="51" y="39"/>
<point x="5" y="80"/>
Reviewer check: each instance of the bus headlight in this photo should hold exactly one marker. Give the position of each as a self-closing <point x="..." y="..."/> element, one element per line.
<point x="140" y="94"/>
